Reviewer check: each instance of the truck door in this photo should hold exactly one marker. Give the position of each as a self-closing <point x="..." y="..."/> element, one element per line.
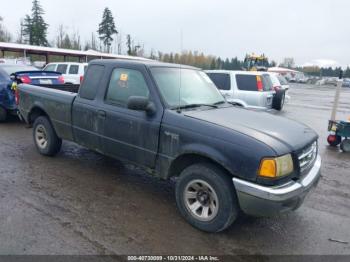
<point x="128" y="134"/>
<point x="87" y="119"/>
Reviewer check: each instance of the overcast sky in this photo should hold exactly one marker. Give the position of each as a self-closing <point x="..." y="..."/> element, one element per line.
<point x="311" y="31"/>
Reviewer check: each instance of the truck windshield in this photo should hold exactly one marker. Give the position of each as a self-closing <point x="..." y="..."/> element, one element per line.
<point x="185" y="87"/>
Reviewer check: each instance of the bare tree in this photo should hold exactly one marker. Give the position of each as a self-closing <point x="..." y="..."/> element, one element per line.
<point x="5" y="36"/>
<point x="288" y="62"/>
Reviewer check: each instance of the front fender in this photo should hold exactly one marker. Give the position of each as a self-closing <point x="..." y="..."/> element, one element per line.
<point x="207" y="152"/>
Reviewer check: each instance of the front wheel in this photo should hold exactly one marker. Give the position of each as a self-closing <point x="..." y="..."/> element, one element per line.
<point x="3" y="114"/>
<point x="206" y="197"/>
<point x="45" y="138"/>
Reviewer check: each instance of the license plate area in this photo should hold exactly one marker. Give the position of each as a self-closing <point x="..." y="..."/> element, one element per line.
<point x="45" y="81"/>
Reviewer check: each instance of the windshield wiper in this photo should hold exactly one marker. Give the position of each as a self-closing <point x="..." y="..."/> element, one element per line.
<point x="220" y="102"/>
<point x="194" y="106"/>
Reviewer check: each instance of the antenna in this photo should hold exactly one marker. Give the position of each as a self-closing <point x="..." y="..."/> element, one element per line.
<point x="181" y="49"/>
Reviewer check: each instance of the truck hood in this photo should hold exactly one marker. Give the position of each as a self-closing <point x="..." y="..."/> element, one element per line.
<point x="281" y="134"/>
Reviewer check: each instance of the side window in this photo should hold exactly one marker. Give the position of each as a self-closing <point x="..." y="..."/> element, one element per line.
<point x="62" y="68"/>
<point x="222" y="81"/>
<point x="73" y="69"/>
<point x="51" y="67"/>
<point x="92" y="81"/>
<point x="125" y="83"/>
<point x="247" y="82"/>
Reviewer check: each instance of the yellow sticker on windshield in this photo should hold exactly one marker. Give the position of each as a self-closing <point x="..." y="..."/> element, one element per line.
<point x="124" y="77"/>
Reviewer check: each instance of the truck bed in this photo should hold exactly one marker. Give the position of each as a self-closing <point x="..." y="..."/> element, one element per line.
<point x="66" y="87"/>
<point x="55" y="103"/>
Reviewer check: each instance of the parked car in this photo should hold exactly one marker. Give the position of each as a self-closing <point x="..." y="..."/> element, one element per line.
<point x="223" y="158"/>
<point x="73" y="73"/>
<point x="346" y="82"/>
<point x="11" y="75"/>
<point x="245" y="88"/>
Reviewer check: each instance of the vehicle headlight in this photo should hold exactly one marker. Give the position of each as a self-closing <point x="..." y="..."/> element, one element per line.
<point x="276" y="167"/>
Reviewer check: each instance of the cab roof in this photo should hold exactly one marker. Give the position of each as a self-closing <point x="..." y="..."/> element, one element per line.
<point x="147" y="63"/>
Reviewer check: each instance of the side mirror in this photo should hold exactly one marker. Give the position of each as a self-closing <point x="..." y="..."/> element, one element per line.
<point x="141" y="103"/>
<point x="13" y="77"/>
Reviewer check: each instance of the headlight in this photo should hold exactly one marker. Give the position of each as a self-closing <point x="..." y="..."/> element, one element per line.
<point x="276" y="167"/>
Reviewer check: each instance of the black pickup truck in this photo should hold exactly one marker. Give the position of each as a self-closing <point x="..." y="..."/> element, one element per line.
<point x="172" y="121"/>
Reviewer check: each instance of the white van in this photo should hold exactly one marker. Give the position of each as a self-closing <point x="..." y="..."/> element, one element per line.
<point x="73" y="73"/>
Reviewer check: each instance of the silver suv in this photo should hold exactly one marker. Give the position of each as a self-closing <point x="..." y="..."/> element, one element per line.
<point x="244" y="88"/>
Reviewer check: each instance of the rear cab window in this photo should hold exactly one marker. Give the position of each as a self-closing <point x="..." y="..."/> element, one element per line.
<point x="221" y="80"/>
<point x="92" y="81"/>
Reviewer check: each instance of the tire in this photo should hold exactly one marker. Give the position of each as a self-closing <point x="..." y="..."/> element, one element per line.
<point x="345" y="145"/>
<point x="45" y="138"/>
<point x="334" y="140"/>
<point x="207" y="183"/>
<point x="3" y="114"/>
<point x="279" y="99"/>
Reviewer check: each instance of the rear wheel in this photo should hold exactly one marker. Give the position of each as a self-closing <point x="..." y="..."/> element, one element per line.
<point x="206" y="197"/>
<point x="345" y="145"/>
<point x="45" y="138"/>
<point x="334" y="140"/>
<point x="279" y="99"/>
<point x="3" y="114"/>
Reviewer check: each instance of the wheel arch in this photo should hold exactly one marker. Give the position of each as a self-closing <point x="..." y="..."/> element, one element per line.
<point x="189" y="158"/>
<point x="35" y="112"/>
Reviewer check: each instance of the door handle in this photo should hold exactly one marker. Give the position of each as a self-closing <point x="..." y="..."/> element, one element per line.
<point x="101" y="114"/>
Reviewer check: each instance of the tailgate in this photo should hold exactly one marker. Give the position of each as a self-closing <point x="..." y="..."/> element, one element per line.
<point x="57" y="104"/>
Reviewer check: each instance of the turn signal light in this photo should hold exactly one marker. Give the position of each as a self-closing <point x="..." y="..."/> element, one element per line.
<point x="268" y="168"/>
<point x="276" y="167"/>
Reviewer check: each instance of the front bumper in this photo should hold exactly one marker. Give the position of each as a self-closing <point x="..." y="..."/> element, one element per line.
<point x="260" y="200"/>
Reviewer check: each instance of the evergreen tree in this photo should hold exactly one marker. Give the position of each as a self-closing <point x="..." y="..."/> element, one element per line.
<point x="35" y="28"/>
<point x="227" y="65"/>
<point x="213" y="64"/>
<point x="129" y="44"/>
<point x="107" y="29"/>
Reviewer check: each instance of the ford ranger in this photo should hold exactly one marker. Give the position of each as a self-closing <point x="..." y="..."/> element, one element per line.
<point x="172" y="121"/>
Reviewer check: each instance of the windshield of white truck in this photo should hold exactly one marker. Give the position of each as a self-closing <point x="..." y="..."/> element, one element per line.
<point x="186" y="87"/>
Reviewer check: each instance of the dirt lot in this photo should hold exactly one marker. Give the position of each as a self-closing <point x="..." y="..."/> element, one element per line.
<point x="83" y="203"/>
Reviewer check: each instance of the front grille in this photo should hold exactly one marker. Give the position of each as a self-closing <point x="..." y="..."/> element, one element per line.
<point x="307" y="156"/>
